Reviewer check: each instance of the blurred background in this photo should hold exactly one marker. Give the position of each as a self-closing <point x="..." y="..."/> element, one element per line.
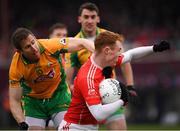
<point x="142" y="22"/>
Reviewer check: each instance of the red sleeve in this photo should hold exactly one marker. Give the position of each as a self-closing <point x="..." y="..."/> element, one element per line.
<point x="119" y="62"/>
<point x="90" y="91"/>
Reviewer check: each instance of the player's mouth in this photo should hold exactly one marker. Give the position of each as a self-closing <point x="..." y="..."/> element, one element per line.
<point x="89" y="25"/>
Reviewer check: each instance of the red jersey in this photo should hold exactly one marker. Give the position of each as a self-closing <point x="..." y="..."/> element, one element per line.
<point x="86" y="90"/>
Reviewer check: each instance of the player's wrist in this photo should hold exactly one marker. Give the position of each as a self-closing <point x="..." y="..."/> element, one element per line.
<point x="23" y="126"/>
<point x="131" y="87"/>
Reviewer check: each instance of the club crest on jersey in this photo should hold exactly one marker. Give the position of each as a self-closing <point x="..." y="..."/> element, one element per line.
<point x="49" y="64"/>
<point x="63" y="41"/>
<point x="92" y="92"/>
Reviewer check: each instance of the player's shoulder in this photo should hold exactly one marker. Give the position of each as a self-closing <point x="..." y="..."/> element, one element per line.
<point x="102" y="30"/>
<point x="44" y="42"/>
<point x="52" y="40"/>
<point x="85" y="67"/>
<point x="16" y="57"/>
<point x="78" y="35"/>
<point x="54" y="44"/>
<point x="16" y="63"/>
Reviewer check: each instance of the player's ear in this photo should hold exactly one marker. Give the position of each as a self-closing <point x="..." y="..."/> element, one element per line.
<point x="79" y="19"/>
<point x="106" y="50"/>
<point x="98" y="19"/>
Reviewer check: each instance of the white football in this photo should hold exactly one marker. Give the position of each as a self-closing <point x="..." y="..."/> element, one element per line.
<point x="109" y="90"/>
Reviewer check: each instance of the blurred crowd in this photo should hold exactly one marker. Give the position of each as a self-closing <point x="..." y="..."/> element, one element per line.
<point x="141" y="23"/>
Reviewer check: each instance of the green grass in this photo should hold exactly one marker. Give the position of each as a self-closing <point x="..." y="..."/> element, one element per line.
<point x="149" y="127"/>
<point x="152" y="127"/>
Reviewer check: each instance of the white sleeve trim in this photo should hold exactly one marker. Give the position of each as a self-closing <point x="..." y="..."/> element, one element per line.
<point x="136" y="53"/>
<point x="101" y="112"/>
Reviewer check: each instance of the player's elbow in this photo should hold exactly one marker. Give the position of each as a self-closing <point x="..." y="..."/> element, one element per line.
<point x="99" y="117"/>
<point x="97" y="112"/>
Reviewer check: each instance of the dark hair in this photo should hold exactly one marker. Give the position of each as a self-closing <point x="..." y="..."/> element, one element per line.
<point x="19" y="35"/>
<point x="107" y="38"/>
<point x="57" y="26"/>
<point x="88" y="6"/>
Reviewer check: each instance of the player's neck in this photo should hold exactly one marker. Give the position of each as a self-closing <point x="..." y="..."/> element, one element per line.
<point x="98" y="60"/>
<point x="89" y="33"/>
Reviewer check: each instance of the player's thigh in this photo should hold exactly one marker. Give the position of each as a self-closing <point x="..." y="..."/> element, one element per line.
<point x="116" y="121"/>
<point x="118" y="124"/>
<point x="35" y="123"/>
<point x="57" y="118"/>
<point x="50" y="123"/>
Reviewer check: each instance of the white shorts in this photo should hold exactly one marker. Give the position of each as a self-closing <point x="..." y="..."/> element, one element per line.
<point x="66" y="126"/>
<point x="56" y="118"/>
<point x="50" y="124"/>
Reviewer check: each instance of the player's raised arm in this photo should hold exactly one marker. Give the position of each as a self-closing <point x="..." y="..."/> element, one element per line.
<point x="144" y="51"/>
<point x="76" y="44"/>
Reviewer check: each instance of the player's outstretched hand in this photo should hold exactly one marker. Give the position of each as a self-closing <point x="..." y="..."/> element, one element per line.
<point x="23" y="126"/>
<point x="107" y="72"/>
<point x="133" y="96"/>
<point x="163" y="45"/>
<point x="124" y="94"/>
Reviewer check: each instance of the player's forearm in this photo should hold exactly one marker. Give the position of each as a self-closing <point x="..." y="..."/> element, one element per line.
<point x="137" y="53"/>
<point x="127" y="73"/>
<point x="88" y="44"/>
<point x="76" y="44"/>
<point x="101" y="112"/>
<point x="17" y="111"/>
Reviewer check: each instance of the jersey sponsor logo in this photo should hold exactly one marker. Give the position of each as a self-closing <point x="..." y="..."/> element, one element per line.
<point x="49" y="75"/>
<point x="63" y="41"/>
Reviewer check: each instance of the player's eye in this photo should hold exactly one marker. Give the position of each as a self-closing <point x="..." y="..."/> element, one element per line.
<point x="33" y="42"/>
<point x="86" y="17"/>
<point x="58" y="34"/>
<point x="26" y="47"/>
<point x="93" y="17"/>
